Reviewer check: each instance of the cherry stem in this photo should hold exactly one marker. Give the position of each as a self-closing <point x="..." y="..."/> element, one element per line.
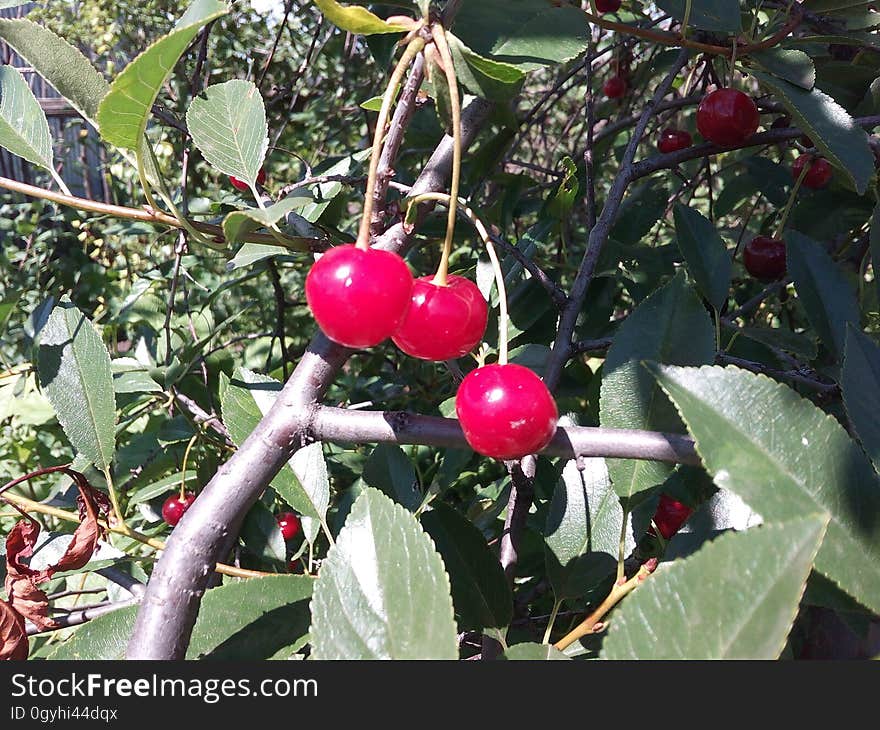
<point x="412" y="50"/>
<point x="189" y="446"/>
<point x="493" y="258"/>
<point x="442" y="46"/>
<point x="618" y="592"/>
<point x="791" y="198"/>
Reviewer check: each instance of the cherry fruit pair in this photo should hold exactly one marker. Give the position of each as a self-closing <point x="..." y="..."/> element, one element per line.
<point x="361" y="297"/>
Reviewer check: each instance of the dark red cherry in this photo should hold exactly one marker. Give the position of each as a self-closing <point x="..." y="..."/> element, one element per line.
<point x="615" y="87"/>
<point x="608" y="6"/>
<point x="818" y="174"/>
<point x="242" y="185"/>
<point x="358" y="297"/>
<point x="175" y="506"/>
<point x="505" y="411"/>
<point x="672" y="140"/>
<point x="764" y="258"/>
<point x="289" y="524"/>
<point x="727" y="117"/>
<point x="670" y="516"/>
<point x="442" y="322"/>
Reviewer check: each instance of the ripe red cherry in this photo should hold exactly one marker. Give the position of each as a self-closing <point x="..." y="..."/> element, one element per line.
<point x="289" y="524"/>
<point x="727" y="117"/>
<point x="818" y="174"/>
<point x="358" y="297"/>
<point x="442" y="322"/>
<point x="608" y="6"/>
<point x="614" y="88"/>
<point x="764" y="258"/>
<point x="505" y="411"/>
<point x="672" y="140"/>
<point x="242" y="185"/>
<point x="175" y="506"/>
<point x="670" y="516"/>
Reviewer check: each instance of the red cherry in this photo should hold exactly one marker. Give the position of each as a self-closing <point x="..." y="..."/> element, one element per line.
<point x="289" y="524"/>
<point x="764" y="258"/>
<point x="242" y="185"/>
<point x="358" y="297"/>
<point x="670" y="516"/>
<point x="672" y="140"/>
<point x="818" y="174"/>
<point x="727" y="117"/>
<point x="608" y="6"/>
<point x="505" y="411"/>
<point x="175" y="506"/>
<point x="442" y="322"/>
<point x="614" y="88"/>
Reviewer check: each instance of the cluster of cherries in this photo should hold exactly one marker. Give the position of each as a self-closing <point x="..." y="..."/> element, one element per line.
<point x="176" y="505"/>
<point x="362" y="296"/>
<point x="728" y="117"/>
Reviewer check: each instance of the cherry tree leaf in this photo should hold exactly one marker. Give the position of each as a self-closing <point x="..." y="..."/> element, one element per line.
<point x="735" y="598"/>
<point x="13" y="639"/>
<point x="24" y="130"/>
<point x="356" y="19"/>
<point x="123" y="113"/>
<point x="228" y="124"/>
<point x="76" y="376"/>
<point x="785" y="458"/>
<point x="383" y="591"/>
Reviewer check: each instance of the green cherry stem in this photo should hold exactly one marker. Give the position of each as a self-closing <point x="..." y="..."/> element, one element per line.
<point x="791" y="198"/>
<point x="493" y="259"/>
<point x="412" y="50"/>
<point x="442" y="46"/>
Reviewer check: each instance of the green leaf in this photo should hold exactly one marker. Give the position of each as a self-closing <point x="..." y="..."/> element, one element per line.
<point x="239" y="223"/>
<point x="533" y="653"/>
<point x="788" y="64"/>
<point x="736" y="598"/>
<point x="786" y="458"/>
<point x="480" y="592"/>
<point x="706" y="14"/>
<point x="484" y="77"/>
<point x="356" y="19"/>
<point x="582" y="534"/>
<point x="62" y="65"/>
<point x="793" y="342"/>
<point x="830" y="127"/>
<point x="102" y="638"/>
<point x="391" y="471"/>
<point x="704" y="253"/>
<point x="382" y="592"/>
<point x="246" y="399"/>
<point x="24" y="130"/>
<point x="252" y="619"/>
<point x="860" y="384"/>
<point x="228" y="124"/>
<point x="123" y="113"/>
<point x="828" y="297"/>
<point x="252" y="253"/>
<point x="262" y="536"/>
<point x="75" y="375"/>
<point x="669" y="326"/>
<point x="527" y="34"/>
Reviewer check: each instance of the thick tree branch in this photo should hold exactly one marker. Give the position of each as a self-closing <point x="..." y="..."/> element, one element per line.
<point x="210" y="526"/>
<point x="399" y="427"/>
